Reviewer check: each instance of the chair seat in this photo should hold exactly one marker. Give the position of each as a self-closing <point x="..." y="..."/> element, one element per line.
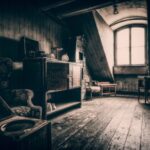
<point x="22" y="110"/>
<point x="95" y="89"/>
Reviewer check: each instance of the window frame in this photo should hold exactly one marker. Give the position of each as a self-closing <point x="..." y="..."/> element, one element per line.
<point x="130" y="53"/>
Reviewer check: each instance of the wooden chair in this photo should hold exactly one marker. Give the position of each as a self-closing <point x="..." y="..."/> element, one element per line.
<point x="143" y="87"/>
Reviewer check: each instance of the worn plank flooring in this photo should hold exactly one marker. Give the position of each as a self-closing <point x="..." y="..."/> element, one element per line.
<point x="109" y="123"/>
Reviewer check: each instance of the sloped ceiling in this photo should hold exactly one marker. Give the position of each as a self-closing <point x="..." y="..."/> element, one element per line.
<point x="134" y="11"/>
<point x="69" y="8"/>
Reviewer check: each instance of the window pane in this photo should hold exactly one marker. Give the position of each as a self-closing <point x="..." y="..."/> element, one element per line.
<point x="138" y="55"/>
<point x="137" y="37"/>
<point x="137" y="46"/>
<point x="123" y="47"/>
<point x="123" y="38"/>
<point x="123" y="56"/>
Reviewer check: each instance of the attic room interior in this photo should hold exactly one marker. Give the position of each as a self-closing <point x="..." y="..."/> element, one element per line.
<point x="74" y="74"/>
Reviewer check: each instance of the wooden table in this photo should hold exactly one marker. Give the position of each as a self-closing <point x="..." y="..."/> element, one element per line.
<point x="108" y="88"/>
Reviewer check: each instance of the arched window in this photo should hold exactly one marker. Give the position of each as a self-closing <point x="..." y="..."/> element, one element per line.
<point x="130" y="45"/>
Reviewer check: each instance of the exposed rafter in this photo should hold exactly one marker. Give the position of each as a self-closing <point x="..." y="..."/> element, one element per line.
<point x="83" y="9"/>
<point x="57" y="4"/>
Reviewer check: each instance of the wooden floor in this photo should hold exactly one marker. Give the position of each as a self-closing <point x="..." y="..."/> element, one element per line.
<point x="113" y="123"/>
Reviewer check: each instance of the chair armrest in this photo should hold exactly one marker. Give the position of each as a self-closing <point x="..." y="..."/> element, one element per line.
<point x="35" y="110"/>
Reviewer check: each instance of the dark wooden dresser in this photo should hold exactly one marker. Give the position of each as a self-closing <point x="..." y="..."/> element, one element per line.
<point x="44" y="77"/>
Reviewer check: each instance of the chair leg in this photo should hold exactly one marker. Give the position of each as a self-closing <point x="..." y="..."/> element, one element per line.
<point x="138" y="94"/>
<point x="91" y="95"/>
<point x="146" y="96"/>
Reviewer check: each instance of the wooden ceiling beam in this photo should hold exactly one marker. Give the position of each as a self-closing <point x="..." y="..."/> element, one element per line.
<point x="57" y="4"/>
<point x="82" y="10"/>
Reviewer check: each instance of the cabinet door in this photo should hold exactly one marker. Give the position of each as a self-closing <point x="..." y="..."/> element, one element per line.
<point x="57" y="76"/>
<point x="76" y="75"/>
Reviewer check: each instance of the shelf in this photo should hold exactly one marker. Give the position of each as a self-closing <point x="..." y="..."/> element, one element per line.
<point x="62" y="108"/>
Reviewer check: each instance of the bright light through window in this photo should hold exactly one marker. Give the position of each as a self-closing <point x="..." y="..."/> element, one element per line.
<point x="130" y="46"/>
<point x="123" y="47"/>
<point x="138" y="46"/>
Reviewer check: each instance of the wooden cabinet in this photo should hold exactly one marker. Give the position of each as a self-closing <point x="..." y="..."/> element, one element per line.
<point x="43" y="76"/>
<point x="62" y="76"/>
<point x="41" y="73"/>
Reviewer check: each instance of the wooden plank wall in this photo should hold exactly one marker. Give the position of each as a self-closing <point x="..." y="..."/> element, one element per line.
<point x="126" y="78"/>
<point x="18" y="22"/>
<point x="127" y="84"/>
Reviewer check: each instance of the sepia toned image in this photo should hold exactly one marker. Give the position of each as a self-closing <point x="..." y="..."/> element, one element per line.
<point x="74" y="75"/>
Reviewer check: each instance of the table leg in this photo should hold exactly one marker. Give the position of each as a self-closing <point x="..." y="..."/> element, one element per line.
<point x="115" y="90"/>
<point x="102" y="91"/>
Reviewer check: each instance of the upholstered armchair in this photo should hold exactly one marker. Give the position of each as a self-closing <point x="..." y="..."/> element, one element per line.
<point x="22" y="105"/>
<point x="20" y="100"/>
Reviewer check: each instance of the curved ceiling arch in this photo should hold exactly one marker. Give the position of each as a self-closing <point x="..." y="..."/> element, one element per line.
<point x="130" y="12"/>
<point x="127" y="21"/>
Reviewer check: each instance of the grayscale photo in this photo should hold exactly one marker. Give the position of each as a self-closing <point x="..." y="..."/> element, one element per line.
<point x="74" y="75"/>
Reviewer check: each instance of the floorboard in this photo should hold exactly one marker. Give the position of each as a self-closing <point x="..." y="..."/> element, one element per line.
<point x="145" y="137"/>
<point x="120" y="135"/>
<point x="113" y="123"/>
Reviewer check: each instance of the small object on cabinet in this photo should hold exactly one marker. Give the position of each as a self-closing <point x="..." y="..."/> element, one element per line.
<point x="65" y="57"/>
<point x="52" y="56"/>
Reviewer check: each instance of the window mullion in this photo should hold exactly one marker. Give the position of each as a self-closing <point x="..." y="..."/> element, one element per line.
<point x="130" y="46"/>
<point x="146" y="47"/>
<point x="115" y="49"/>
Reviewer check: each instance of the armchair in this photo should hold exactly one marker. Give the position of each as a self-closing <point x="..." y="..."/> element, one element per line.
<point x="20" y="100"/>
<point x="22" y="105"/>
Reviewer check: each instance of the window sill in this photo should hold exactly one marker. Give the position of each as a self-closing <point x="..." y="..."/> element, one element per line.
<point x="130" y="70"/>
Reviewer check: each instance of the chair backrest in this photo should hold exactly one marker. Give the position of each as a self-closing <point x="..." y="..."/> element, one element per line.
<point x="141" y="83"/>
<point x="147" y="83"/>
<point x="144" y="82"/>
<point x="20" y="97"/>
